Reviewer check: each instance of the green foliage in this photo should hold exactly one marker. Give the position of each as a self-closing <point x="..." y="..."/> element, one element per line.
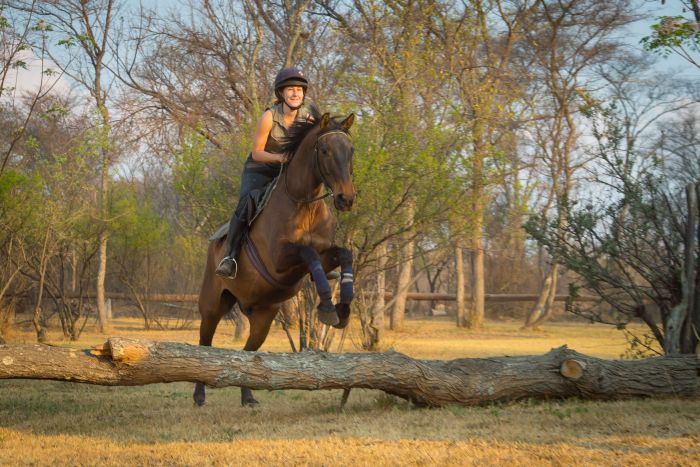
<point x="670" y="32"/>
<point x="205" y="186"/>
<point x="134" y="221"/>
<point x="675" y="34"/>
<point x="4" y="22"/>
<point x="68" y="42"/>
<point x="20" y="204"/>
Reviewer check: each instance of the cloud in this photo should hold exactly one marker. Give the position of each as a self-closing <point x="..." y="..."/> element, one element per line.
<point x="30" y="74"/>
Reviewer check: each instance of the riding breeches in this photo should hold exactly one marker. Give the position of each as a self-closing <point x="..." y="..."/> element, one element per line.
<point x="256" y="176"/>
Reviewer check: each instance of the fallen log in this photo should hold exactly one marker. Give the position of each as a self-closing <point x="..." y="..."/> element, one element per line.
<point x="562" y="372"/>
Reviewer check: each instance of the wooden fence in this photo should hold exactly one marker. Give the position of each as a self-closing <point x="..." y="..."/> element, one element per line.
<point x="493" y="298"/>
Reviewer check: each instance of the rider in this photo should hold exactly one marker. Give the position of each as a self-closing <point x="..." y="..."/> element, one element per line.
<point x="263" y="162"/>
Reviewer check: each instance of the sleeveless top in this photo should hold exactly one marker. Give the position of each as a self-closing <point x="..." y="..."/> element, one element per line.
<point x="278" y="134"/>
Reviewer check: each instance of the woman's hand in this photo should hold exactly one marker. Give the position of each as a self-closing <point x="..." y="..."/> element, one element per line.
<point x="284" y="157"/>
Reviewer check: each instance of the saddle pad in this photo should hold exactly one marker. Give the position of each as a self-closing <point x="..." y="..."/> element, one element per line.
<point x="261" y="199"/>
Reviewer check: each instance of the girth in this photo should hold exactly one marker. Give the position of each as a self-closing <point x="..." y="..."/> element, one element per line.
<point x="254" y="256"/>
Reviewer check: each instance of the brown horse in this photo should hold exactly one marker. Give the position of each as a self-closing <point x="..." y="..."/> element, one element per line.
<point x="293" y="236"/>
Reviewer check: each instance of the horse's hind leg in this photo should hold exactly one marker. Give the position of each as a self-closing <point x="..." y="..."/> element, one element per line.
<point x="211" y="315"/>
<point x="260" y="320"/>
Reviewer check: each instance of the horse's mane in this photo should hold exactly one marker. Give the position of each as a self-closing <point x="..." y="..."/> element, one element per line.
<point x="298" y="131"/>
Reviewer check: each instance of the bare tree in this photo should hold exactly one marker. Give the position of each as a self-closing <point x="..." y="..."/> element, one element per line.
<point x="567" y="44"/>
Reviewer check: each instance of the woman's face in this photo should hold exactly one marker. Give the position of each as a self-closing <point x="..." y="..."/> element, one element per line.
<point x="293" y="96"/>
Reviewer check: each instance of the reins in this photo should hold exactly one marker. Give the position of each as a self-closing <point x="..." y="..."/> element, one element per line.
<point x="317" y="166"/>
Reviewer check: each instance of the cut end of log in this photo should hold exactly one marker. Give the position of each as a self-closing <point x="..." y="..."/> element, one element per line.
<point x="573" y="369"/>
<point x="128" y="350"/>
<point x="100" y="350"/>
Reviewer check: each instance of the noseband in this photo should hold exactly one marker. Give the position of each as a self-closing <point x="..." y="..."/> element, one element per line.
<point x="317" y="166"/>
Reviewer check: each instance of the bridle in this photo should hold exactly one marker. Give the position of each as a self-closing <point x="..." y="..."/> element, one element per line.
<point x="317" y="166"/>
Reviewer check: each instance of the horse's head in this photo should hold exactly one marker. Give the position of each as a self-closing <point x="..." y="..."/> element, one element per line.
<point x="334" y="152"/>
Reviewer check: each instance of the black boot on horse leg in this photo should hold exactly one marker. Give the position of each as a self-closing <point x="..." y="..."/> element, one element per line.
<point x="228" y="267"/>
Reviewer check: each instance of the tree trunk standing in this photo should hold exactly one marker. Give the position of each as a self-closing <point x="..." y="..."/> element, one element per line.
<point x="559" y="373"/>
<point x="36" y="319"/>
<point x="477" y="309"/>
<point x="97" y="51"/>
<point x="403" y="282"/>
<point x="543" y="308"/>
<point x="681" y="332"/>
<point x="692" y="261"/>
<point x="459" y="271"/>
<point x="377" y="313"/>
<point x="104" y="325"/>
<point x="402" y="285"/>
<point x="695" y="312"/>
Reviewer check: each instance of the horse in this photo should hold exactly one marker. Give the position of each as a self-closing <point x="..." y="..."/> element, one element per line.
<point x="291" y="237"/>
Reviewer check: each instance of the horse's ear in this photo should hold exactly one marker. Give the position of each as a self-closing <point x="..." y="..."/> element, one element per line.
<point x="347" y="123"/>
<point x="325" y="119"/>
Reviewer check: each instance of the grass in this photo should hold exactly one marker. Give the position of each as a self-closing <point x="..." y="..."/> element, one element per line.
<point x="44" y="423"/>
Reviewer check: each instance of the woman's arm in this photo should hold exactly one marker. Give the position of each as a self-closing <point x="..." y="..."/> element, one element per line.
<point x="260" y="139"/>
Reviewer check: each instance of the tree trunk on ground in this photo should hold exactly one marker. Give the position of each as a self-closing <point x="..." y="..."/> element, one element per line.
<point x="459" y="270"/>
<point x="559" y="373"/>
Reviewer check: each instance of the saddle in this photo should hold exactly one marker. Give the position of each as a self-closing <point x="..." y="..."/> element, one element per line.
<point x="256" y="202"/>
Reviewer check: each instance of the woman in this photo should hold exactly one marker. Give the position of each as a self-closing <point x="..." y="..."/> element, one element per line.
<point x="263" y="163"/>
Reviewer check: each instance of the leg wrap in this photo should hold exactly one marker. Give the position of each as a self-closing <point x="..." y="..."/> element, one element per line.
<point x="346" y="289"/>
<point x="323" y="288"/>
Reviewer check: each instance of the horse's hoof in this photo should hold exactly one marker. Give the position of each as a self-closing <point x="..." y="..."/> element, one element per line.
<point x="250" y="402"/>
<point x="343" y="310"/>
<point x="333" y="275"/>
<point x="199" y="395"/>
<point x="328" y="316"/>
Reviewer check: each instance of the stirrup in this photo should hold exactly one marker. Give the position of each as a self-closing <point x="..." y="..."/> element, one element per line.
<point x="223" y="269"/>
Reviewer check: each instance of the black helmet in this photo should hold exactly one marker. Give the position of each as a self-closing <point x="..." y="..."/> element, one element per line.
<point x="290" y="77"/>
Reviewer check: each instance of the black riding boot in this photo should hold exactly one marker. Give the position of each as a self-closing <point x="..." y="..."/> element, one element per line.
<point x="228" y="266"/>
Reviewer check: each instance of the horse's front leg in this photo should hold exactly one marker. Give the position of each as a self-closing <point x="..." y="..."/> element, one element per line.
<point x="332" y="258"/>
<point x="326" y="311"/>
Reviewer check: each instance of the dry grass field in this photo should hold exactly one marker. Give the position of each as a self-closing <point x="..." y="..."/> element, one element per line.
<point x="55" y="423"/>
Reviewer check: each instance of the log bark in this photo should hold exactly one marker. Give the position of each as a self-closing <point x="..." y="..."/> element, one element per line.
<point x="562" y="372"/>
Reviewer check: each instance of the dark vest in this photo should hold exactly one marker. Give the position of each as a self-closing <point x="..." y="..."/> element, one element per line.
<point x="278" y="134"/>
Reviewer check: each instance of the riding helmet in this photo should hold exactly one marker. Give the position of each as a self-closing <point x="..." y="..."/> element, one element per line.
<point x="290" y="77"/>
